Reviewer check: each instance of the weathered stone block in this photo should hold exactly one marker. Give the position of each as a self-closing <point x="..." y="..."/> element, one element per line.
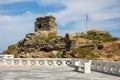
<point x="46" y="23"/>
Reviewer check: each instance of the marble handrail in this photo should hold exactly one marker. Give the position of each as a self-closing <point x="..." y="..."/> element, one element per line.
<point x="40" y="61"/>
<point x="96" y="65"/>
<point x="106" y="67"/>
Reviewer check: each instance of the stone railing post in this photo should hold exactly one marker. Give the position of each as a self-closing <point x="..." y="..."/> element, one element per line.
<point x="64" y="63"/>
<point x="28" y="63"/>
<point x="45" y="63"/>
<point x="20" y="62"/>
<point x="87" y="67"/>
<point x="12" y="62"/>
<point x="5" y="62"/>
<point x="54" y="63"/>
<point x="37" y="62"/>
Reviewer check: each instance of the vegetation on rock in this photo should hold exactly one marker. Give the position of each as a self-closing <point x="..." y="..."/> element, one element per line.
<point x="44" y="42"/>
<point x="100" y="35"/>
<point x="84" y="53"/>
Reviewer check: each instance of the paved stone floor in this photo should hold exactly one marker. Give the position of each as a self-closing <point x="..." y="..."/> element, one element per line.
<point x="50" y="73"/>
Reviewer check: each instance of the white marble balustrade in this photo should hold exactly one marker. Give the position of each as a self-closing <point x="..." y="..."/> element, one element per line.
<point x="96" y="65"/>
<point x="106" y="67"/>
<point x="39" y="61"/>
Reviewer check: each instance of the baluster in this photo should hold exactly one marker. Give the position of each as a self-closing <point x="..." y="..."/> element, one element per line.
<point x="20" y="62"/>
<point x="45" y="63"/>
<point x="54" y="63"/>
<point x="5" y="62"/>
<point x="37" y="63"/>
<point x="12" y="62"/>
<point x="64" y="63"/>
<point x="28" y="63"/>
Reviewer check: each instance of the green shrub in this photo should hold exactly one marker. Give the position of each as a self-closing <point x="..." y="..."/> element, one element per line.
<point x="48" y="39"/>
<point x="85" y="53"/>
<point x="96" y="35"/>
<point x="109" y="55"/>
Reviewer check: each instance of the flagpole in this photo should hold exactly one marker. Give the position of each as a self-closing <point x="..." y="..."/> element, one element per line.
<point x="86" y="21"/>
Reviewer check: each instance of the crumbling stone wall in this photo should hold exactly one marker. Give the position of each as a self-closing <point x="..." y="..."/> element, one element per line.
<point x="76" y="41"/>
<point x="46" y="24"/>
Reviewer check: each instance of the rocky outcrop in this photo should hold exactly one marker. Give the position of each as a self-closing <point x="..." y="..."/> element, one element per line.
<point x="110" y="51"/>
<point x="44" y="42"/>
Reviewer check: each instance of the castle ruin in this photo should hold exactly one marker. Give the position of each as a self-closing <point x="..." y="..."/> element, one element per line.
<point x="47" y="25"/>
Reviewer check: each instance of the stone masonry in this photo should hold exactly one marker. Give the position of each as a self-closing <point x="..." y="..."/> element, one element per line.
<point x="47" y="25"/>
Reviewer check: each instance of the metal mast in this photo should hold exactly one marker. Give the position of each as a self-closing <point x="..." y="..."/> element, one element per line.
<point x="86" y="21"/>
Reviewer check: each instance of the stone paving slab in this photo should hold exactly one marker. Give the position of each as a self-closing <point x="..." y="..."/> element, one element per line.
<point x="50" y="73"/>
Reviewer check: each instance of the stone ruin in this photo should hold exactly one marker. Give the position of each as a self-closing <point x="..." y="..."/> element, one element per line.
<point x="78" y="40"/>
<point x="47" y="25"/>
<point x="44" y="27"/>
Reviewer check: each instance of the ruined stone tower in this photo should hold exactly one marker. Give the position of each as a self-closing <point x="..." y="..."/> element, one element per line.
<point x="47" y="25"/>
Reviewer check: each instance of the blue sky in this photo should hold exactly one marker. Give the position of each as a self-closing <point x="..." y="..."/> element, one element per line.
<point x="17" y="17"/>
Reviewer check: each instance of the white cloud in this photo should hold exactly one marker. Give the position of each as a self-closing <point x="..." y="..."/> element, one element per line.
<point x="13" y="1"/>
<point x="14" y="28"/>
<point x="105" y="15"/>
<point x="18" y="20"/>
<point x="100" y="13"/>
<point x="48" y="2"/>
<point x="75" y="9"/>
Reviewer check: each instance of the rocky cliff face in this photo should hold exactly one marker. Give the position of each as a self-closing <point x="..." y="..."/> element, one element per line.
<point x="44" y="42"/>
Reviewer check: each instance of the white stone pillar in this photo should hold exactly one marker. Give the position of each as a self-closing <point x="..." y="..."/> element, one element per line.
<point x="20" y="62"/>
<point x="28" y="63"/>
<point x="45" y="63"/>
<point x="5" y="62"/>
<point x="37" y="63"/>
<point x="12" y="62"/>
<point x="64" y="63"/>
<point x="87" y="67"/>
<point x="54" y="63"/>
<point x="77" y="63"/>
